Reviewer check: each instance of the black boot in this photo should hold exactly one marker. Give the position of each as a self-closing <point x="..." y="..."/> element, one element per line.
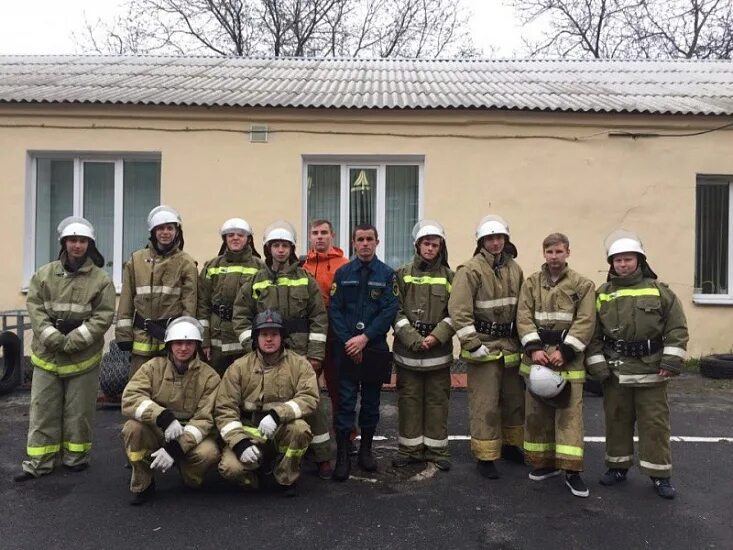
<point x="367" y="462"/>
<point x="343" y="461"/>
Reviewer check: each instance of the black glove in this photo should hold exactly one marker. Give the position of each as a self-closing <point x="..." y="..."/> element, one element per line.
<point x="156" y="331"/>
<point x="124" y="346"/>
<point x="567" y="352"/>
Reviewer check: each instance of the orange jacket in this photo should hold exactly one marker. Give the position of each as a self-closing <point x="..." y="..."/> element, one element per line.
<point x="323" y="266"/>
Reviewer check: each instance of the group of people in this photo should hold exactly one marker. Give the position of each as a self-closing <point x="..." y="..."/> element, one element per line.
<point x="225" y="363"/>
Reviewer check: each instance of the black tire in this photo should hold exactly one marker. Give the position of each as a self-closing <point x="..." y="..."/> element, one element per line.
<point x="717" y="366"/>
<point x="114" y="371"/>
<point x="593" y="386"/>
<point x="10" y="362"/>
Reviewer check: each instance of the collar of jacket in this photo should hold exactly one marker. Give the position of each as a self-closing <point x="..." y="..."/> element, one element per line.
<point x="193" y="365"/>
<point x="499" y="260"/>
<point x="264" y="365"/>
<point x="359" y="264"/>
<point x="629" y="280"/>
<point x="239" y="256"/>
<point x="86" y="267"/>
<point x="333" y="253"/>
<point x="155" y="253"/>
<point x="547" y="281"/>
<point x="423" y="265"/>
<point x="288" y="269"/>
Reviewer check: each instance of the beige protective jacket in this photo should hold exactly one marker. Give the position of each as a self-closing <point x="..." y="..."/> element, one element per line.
<point x="296" y="295"/>
<point x="423" y="294"/>
<point x="157" y="386"/>
<point x="637" y="309"/>
<point x="566" y="305"/>
<point x="157" y="287"/>
<point x="56" y="294"/>
<point x="486" y="288"/>
<point x="219" y="282"/>
<point x="250" y="386"/>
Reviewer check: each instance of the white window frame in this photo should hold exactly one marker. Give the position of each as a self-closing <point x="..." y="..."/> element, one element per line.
<point x="720" y="299"/>
<point x="348" y="162"/>
<point x="79" y="159"/>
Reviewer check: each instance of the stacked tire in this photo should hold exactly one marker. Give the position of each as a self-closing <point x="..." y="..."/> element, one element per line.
<point x="719" y="366"/>
<point x="11" y="362"/>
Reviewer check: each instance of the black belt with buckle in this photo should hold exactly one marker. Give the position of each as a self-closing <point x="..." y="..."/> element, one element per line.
<point x="498" y="330"/>
<point x="224" y="311"/>
<point x="634" y="348"/>
<point x="424" y="329"/>
<point x="154" y="327"/>
<point x="65" y="326"/>
<point x="551" y="337"/>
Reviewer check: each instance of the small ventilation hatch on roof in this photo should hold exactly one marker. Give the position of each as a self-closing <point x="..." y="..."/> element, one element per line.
<point x="258" y="133"/>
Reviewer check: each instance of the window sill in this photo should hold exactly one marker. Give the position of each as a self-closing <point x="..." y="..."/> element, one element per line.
<point x="712" y="299"/>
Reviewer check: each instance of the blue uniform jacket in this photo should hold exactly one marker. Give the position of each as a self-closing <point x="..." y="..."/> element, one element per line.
<point x="363" y="293"/>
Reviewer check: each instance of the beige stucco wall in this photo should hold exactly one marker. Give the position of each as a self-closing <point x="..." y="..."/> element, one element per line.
<point x="475" y="163"/>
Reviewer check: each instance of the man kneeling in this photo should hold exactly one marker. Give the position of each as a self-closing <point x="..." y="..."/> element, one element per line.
<point x="164" y="394"/>
<point x="260" y="406"/>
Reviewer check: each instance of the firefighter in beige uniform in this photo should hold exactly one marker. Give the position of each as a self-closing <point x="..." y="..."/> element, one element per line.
<point x="423" y="350"/>
<point x="555" y="321"/>
<point x="71" y="303"/>
<point x="640" y="342"/>
<point x="483" y="306"/>
<point x="260" y="407"/>
<point x="219" y="281"/>
<point x="284" y="286"/>
<point x="170" y="403"/>
<point x="158" y="284"/>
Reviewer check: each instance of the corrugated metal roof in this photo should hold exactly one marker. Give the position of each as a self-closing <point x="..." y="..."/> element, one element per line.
<point x="675" y="86"/>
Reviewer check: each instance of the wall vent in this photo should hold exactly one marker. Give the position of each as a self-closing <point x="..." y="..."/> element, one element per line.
<point x="258" y="133"/>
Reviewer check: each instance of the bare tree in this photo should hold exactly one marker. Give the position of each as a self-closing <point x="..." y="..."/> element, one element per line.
<point x="631" y="28"/>
<point x="378" y="28"/>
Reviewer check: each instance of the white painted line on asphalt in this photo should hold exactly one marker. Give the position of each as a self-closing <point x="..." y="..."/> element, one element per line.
<point x="601" y="439"/>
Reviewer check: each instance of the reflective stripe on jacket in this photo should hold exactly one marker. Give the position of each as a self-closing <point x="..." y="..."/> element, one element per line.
<point x="568" y="305"/>
<point x="219" y="282"/>
<point x="87" y="295"/>
<point x="486" y="288"/>
<point x="158" y="386"/>
<point x="295" y="294"/>
<point x="634" y="309"/>
<point x="423" y="294"/>
<point x="157" y="287"/>
<point x="249" y="386"/>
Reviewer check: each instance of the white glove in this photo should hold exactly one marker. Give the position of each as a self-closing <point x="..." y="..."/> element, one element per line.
<point x="267" y="426"/>
<point x="251" y="455"/>
<point x="483" y="351"/>
<point x="163" y="461"/>
<point x="173" y="431"/>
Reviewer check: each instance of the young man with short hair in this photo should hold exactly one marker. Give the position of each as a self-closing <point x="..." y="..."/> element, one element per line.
<point x="555" y="322"/>
<point x="363" y="306"/>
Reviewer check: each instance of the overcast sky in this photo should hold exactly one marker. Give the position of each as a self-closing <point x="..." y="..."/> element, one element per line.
<point x="46" y="26"/>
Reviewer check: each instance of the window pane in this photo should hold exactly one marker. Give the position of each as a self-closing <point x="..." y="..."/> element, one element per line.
<point x="324" y="195"/>
<point x="711" y="231"/>
<point x="401" y="213"/>
<point x="54" y="202"/>
<point x="362" y="198"/>
<point x="99" y="206"/>
<point x="141" y="194"/>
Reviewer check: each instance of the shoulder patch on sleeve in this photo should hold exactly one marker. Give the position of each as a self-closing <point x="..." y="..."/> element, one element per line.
<point x="395" y="288"/>
<point x="334" y="286"/>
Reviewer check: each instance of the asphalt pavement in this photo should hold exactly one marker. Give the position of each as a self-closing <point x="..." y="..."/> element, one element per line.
<point x="417" y="508"/>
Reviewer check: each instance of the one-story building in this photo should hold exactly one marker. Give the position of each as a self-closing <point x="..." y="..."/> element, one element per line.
<point x="582" y="147"/>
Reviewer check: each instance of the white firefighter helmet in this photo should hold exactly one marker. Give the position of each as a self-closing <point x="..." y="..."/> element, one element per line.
<point x="427" y="228"/>
<point x="74" y="226"/>
<point x="184" y="328"/>
<point x="163" y="214"/>
<point x="279" y="231"/>
<point x="545" y="382"/>
<point x="492" y="225"/>
<point x="622" y="240"/>
<point x="235" y="225"/>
